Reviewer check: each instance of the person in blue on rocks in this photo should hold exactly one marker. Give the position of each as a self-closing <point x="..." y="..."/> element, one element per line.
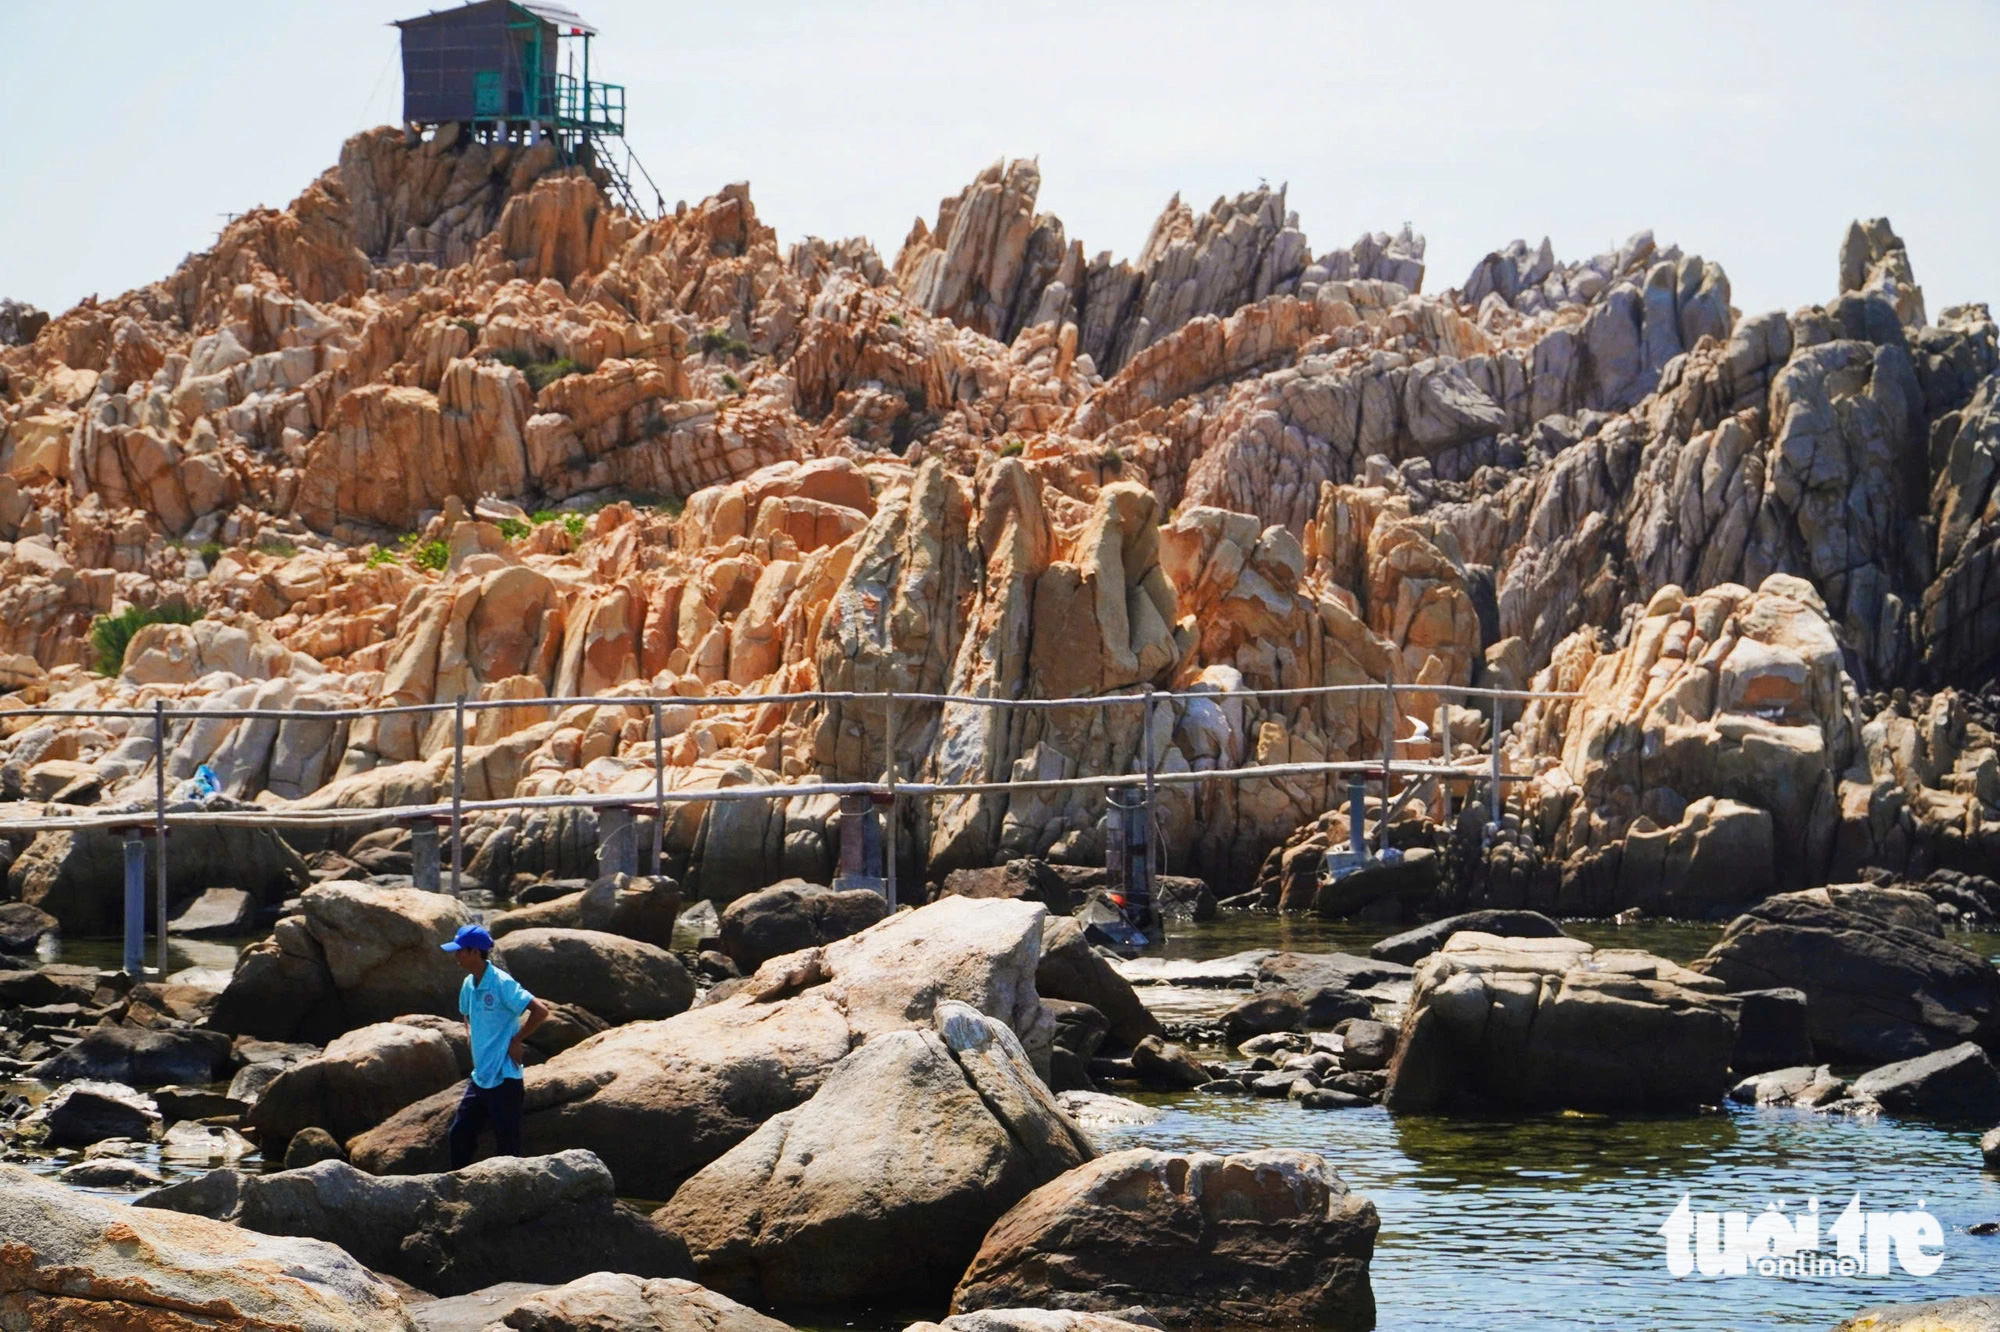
<point x="493" y="1004"/>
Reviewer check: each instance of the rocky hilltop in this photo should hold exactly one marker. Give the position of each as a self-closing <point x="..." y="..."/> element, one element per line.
<point x="452" y="424"/>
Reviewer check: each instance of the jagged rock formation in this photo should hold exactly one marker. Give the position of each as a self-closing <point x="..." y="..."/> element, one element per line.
<point x="994" y="467"/>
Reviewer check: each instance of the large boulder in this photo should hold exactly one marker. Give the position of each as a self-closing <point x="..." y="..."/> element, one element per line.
<point x="534" y="1218"/>
<point x="22" y="927"/>
<point x="660" y="1100"/>
<point x="361" y="1079"/>
<point x="354" y="954"/>
<point x="1881" y="982"/>
<point x="80" y="1113"/>
<point x="1553" y="1024"/>
<point x="617" y="1302"/>
<point x="636" y="906"/>
<point x="73" y="1260"/>
<point x="78" y="877"/>
<point x="1071" y="969"/>
<point x="1261" y="1238"/>
<point x="1412" y="946"/>
<point x="1043" y="1320"/>
<point x="1960" y="1083"/>
<point x="141" y="1056"/>
<point x="882" y="1185"/>
<point x="793" y="915"/>
<point x="618" y="979"/>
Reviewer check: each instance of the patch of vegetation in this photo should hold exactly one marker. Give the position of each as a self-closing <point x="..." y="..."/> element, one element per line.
<point x="1111" y="460"/>
<point x="673" y="506"/>
<point x="894" y="318"/>
<point x="111" y="634"/>
<point x="573" y="524"/>
<point x="381" y="557"/>
<point x="431" y="555"/>
<point x="539" y="374"/>
<point x="1012" y="448"/>
<point x="732" y="383"/>
<point x="471" y="329"/>
<point x="514" y="529"/>
<point x="278" y="546"/>
<point x="210" y="552"/>
<point x="721" y="340"/>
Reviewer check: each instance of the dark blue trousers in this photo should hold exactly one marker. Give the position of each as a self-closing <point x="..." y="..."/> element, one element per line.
<point x="499" y="1106"/>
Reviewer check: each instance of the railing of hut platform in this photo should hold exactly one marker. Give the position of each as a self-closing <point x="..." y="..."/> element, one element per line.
<point x="616" y="835"/>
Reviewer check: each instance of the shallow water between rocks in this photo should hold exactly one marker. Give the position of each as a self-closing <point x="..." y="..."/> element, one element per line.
<point x="1497" y="1225"/>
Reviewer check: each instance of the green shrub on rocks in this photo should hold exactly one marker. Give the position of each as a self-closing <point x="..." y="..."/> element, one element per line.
<point x="110" y="634"/>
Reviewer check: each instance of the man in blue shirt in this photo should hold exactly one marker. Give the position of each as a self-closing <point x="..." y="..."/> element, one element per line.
<point x="492" y="1002"/>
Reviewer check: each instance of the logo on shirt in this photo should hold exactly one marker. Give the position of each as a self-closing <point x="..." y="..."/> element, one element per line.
<point x="486" y="1001"/>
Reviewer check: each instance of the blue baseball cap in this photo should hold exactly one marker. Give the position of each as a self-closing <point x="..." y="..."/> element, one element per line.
<point x="474" y="937"/>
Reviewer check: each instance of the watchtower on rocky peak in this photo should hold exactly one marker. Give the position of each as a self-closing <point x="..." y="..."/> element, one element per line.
<point x="518" y="71"/>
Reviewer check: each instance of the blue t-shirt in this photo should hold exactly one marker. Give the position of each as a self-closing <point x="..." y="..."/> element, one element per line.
<point x="493" y="1006"/>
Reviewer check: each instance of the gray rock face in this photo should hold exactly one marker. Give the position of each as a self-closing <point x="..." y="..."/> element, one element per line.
<point x="618" y="979"/>
<point x="1043" y="1320"/>
<point x="476" y="1311"/>
<point x="1411" y="946"/>
<point x="1367" y="1045"/>
<point x="1805" y="1086"/>
<point x="80" y="1113"/>
<point x="657" y="1101"/>
<point x="536" y="1218"/>
<point x="111" y="1173"/>
<point x="309" y="1147"/>
<point x="1271" y="1238"/>
<point x="616" y="1302"/>
<point x="1552" y="1023"/>
<point x="92" y="1263"/>
<point x="1773" y="1031"/>
<point x="217" y="913"/>
<point x="793" y="915"/>
<point x="140" y="1056"/>
<point x="1262" y="1014"/>
<point x="881" y="1185"/>
<point x="1959" y="1083"/>
<point x="1879" y="985"/>
<point x="358" y="1081"/>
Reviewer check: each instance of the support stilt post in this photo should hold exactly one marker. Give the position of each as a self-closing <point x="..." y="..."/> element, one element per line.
<point x="889" y="833"/>
<point x="457" y="794"/>
<point x="135" y="904"/>
<point x="160" y="824"/>
<point x="659" y="791"/>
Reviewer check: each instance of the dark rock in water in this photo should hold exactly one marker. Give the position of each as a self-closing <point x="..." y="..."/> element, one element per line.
<point x="1225" y="1087"/>
<point x="108" y="1172"/>
<point x="1263" y="1014"/>
<point x="1968" y="1313"/>
<point x="1080" y="1030"/>
<point x="1328" y="1006"/>
<point x="81" y="1113"/>
<point x="1070" y="969"/>
<point x="787" y="917"/>
<point x="48" y="985"/>
<point x="548" y="890"/>
<point x="1134" y="1319"/>
<point x="535" y="1218"/>
<point x="883" y="1184"/>
<point x="23" y="927"/>
<point x="615" y="1302"/>
<point x="1368" y="1045"/>
<point x="1159" y="1064"/>
<point x="1312" y="971"/>
<point x="1271" y="1237"/>
<point x="1281" y="1084"/>
<point x="617" y="978"/>
<point x="310" y="1146"/>
<point x="1355" y="1082"/>
<point x="1413" y="945"/>
<point x="195" y="1103"/>
<point x="1771" y="1031"/>
<point x="715" y="966"/>
<point x="1806" y="1085"/>
<point x="217" y="913"/>
<point x="1881" y="982"/>
<point x="139" y="1056"/>
<point x="1959" y="1083"/>
<point x="1332" y="1098"/>
<point x="1389" y="891"/>
<point x="1176" y="897"/>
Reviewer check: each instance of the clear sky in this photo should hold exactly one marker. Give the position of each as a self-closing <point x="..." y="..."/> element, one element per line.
<point x="1749" y="132"/>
